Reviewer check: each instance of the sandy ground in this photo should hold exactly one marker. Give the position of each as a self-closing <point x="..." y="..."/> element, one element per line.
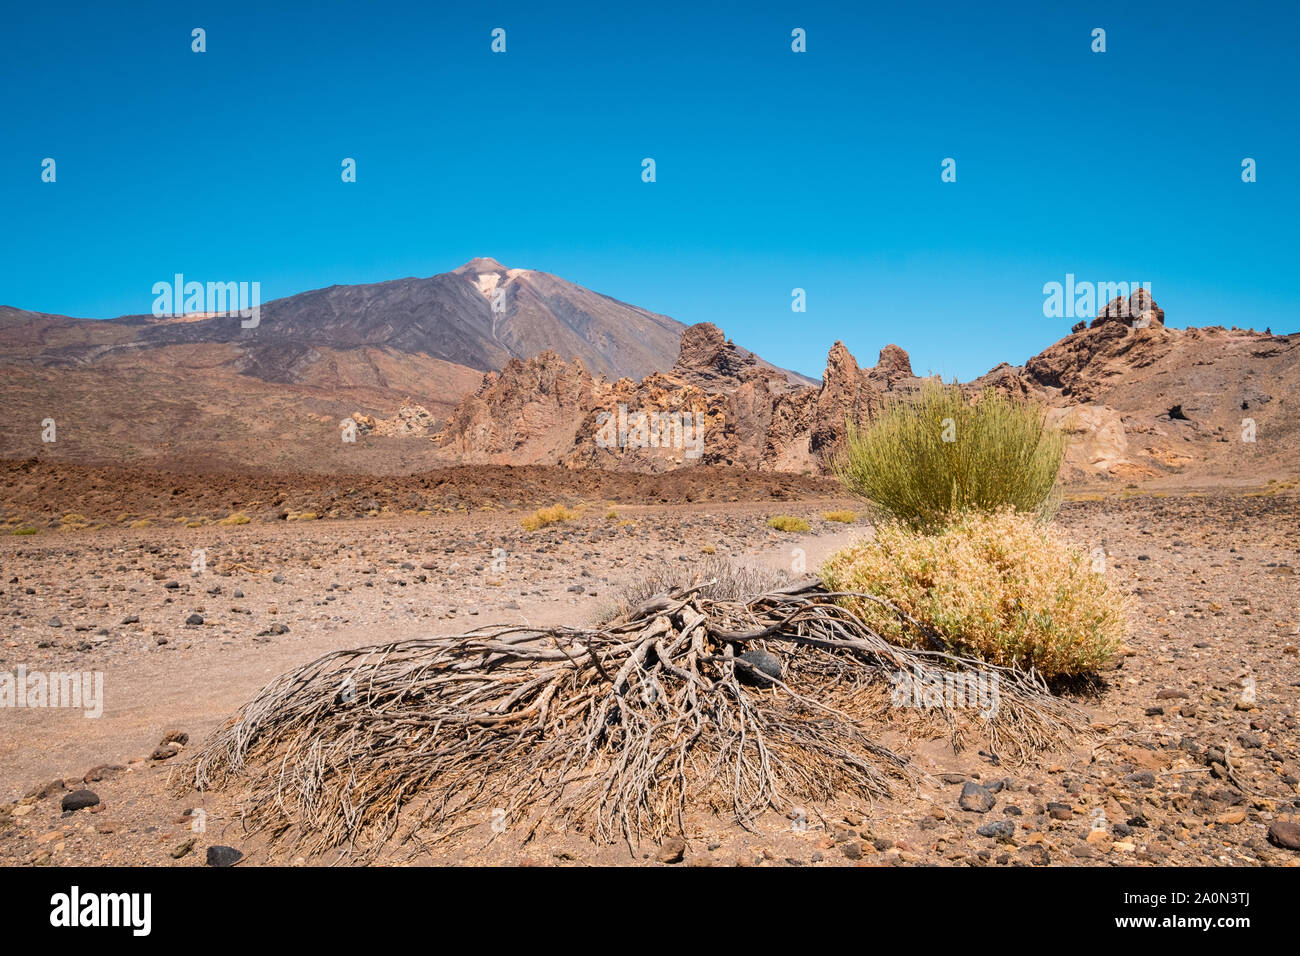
<point x="1183" y="766"/>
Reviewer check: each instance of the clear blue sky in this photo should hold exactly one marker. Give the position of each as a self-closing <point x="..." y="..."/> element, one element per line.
<point x="775" y="170"/>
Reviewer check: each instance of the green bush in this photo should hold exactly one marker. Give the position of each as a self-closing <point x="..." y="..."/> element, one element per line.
<point x="925" y="461"/>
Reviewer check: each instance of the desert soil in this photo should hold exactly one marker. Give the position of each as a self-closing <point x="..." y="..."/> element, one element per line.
<point x="1192" y="754"/>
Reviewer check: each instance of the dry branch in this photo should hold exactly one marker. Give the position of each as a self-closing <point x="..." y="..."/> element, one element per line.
<point x="613" y="730"/>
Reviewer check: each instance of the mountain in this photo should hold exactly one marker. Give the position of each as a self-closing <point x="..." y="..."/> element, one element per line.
<point x="431" y="375"/>
<point x="1143" y="401"/>
<point x="201" y="391"/>
<point x="449" y="317"/>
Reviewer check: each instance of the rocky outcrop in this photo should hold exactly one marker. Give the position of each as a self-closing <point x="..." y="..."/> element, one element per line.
<point x="717" y="405"/>
<point x="525" y="414"/>
<point x="411" y="420"/>
<point x="848" y="394"/>
<point x="1141" y="400"/>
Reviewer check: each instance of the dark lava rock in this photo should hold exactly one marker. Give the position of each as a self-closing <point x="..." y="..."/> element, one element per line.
<point x="223" y="856"/>
<point x="1143" y="778"/>
<point x="975" y="798"/>
<point x="1001" y="830"/>
<point x="757" y="667"/>
<point x="80" y="799"/>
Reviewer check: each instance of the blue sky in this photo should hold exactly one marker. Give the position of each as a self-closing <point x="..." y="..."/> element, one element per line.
<point x="775" y="170"/>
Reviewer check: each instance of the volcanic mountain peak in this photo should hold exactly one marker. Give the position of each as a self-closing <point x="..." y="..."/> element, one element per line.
<point x="480" y="265"/>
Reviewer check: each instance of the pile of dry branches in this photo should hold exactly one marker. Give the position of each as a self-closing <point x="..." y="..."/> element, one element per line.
<point x="614" y="730"/>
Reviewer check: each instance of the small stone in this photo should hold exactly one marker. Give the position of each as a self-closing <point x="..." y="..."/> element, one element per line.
<point x="1059" y="811"/>
<point x="223" y="856"/>
<point x="104" y="771"/>
<point x="672" y="850"/>
<point x="1285" y="833"/>
<point x="194" y="619"/>
<point x="975" y="798"/>
<point x="80" y="799"/>
<point x="184" y="848"/>
<point x="48" y="790"/>
<point x="1002" y="830"/>
<point x="761" y="666"/>
<point x="1232" y="817"/>
<point x="852" y="850"/>
<point x="1101" y="840"/>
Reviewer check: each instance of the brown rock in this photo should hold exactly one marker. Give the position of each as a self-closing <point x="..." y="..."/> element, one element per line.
<point x="1285" y="833"/>
<point x="672" y="850"/>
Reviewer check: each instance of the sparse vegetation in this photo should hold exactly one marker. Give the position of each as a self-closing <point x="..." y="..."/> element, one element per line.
<point x="26" y="530"/>
<point x="544" y="517"/>
<point x="843" y="517"/>
<point x="1001" y="587"/>
<point x="924" y="462"/>
<point x="617" y="730"/>
<point x="234" y="519"/>
<point x="788" y="523"/>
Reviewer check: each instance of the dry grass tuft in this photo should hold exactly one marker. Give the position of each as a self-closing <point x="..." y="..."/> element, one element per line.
<point x="1000" y="587"/>
<point x="544" y="517"/>
<point x="788" y="523"/>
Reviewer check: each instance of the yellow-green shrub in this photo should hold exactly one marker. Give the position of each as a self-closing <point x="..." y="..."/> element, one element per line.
<point x="927" y="458"/>
<point x="1001" y="587"/>
<point x="788" y="523"/>
<point x="543" y="517"/>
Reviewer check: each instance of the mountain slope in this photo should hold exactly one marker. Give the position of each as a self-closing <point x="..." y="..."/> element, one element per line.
<point x="449" y="317"/>
<point x="1143" y="401"/>
<point x="202" y="391"/>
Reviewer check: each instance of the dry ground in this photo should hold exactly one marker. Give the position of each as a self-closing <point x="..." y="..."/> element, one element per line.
<point x="1183" y="769"/>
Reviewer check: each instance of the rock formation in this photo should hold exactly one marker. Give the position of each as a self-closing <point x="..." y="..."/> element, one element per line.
<point x="718" y="404"/>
